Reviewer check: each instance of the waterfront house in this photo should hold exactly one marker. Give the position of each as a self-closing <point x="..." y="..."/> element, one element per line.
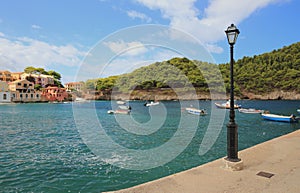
<point x="23" y="91"/>
<point x="41" y="79"/>
<point x="77" y="86"/>
<point x="5" y="76"/>
<point x="4" y="93"/>
<point x="16" y="75"/>
<point x="54" y="93"/>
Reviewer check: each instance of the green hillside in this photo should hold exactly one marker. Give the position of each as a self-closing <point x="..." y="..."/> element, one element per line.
<point x="175" y="73"/>
<point x="277" y="70"/>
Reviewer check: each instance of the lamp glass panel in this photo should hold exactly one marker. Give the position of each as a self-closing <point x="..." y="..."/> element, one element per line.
<point x="231" y="37"/>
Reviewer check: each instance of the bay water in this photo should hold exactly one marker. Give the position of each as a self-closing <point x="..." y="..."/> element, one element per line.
<point x="42" y="148"/>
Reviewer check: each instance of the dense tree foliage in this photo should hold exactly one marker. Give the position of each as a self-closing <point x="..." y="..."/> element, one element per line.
<point x="277" y="70"/>
<point x="56" y="75"/>
<point x="33" y="70"/>
<point x="174" y="73"/>
<point x="101" y="84"/>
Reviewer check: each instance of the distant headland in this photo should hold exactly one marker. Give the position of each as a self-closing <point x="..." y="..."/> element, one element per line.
<point x="269" y="76"/>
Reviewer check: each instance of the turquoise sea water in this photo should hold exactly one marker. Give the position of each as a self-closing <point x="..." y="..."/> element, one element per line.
<point x="43" y="150"/>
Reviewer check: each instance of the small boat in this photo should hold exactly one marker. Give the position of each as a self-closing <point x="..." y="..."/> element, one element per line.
<point x="250" y="111"/>
<point x="80" y="100"/>
<point x="195" y="111"/>
<point x="226" y="105"/>
<point x="121" y="102"/>
<point x="280" y="118"/>
<point x="119" y="111"/>
<point x="298" y="110"/>
<point x="151" y="104"/>
<point x="124" y="107"/>
<point x="110" y="112"/>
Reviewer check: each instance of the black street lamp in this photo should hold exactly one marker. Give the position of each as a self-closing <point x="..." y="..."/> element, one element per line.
<point x="232" y="135"/>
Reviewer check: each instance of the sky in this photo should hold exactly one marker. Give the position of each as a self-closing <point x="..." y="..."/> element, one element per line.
<point x="99" y="38"/>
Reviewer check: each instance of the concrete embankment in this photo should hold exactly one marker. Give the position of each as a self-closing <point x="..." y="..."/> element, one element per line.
<point x="279" y="157"/>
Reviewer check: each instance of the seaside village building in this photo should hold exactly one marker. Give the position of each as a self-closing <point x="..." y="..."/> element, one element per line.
<point x="40" y="79"/>
<point x="5" y="76"/>
<point x="71" y="86"/>
<point x="23" y="91"/>
<point x="16" y="75"/>
<point x="16" y="87"/>
<point x="4" y="93"/>
<point x="54" y="94"/>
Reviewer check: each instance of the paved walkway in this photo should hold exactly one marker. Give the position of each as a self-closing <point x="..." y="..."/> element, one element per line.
<point x="280" y="156"/>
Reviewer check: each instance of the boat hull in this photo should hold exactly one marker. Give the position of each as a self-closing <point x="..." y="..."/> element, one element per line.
<point x="279" y="118"/>
<point x="250" y="111"/>
<point x="151" y="104"/>
<point x="119" y="111"/>
<point x="194" y="111"/>
<point x="226" y="106"/>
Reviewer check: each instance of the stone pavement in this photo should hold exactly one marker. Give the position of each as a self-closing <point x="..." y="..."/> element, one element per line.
<point x="279" y="158"/>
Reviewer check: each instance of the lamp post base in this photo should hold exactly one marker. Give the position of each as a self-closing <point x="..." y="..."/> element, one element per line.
<point x="233" y="165"/>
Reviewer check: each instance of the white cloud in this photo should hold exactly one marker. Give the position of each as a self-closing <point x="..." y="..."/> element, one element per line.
<point x="22" y="52"/>
<point x="36" y="26"/>
<point x="134" y="14"/>
<point x="214" y="48"/>
<point x="96" y="65"/>
<point x="172" y="8"/>
<point x="127" y="48"/>
<point x="183" y="14"/>
<point x="123" y="64"/>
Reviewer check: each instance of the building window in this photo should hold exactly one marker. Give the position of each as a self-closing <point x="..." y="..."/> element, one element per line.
<point x="4" y="97"/>
<point x="37" y="95"/>
<point x="21" y="95"/>
<point x="31" y="96"/>
<point x="19" y="84"/>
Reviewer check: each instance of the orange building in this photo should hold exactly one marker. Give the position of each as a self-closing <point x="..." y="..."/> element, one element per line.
<point x="5" y="76"/>
<point x="16" y="75"/>
<point x="54" y="93"/>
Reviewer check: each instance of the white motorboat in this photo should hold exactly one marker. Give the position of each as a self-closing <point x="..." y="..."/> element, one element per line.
<point x="151" y="104"/>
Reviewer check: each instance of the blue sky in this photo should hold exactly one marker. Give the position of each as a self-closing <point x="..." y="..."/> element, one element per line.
<point x="69" y="35"/>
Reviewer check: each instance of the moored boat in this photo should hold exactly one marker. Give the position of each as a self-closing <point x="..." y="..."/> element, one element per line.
<point x="151" y="104"/>
<point x="250" y="111"/>
<point x="121" y="102"/>
<point x="298" y="110"/>
<point x="124" y="107"/>
<point x="226" y="105"/>
<point x="195" y="111"/>
<point x="119" y="111"/>
<point x="80" y="100"/>
<point x="281" y="118"/>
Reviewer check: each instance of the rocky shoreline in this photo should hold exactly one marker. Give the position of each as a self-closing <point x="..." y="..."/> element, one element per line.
<point x="158" y="95"/>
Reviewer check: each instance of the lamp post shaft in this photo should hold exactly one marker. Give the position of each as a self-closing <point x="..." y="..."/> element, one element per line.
<point x="232" y="113"/>
<point x="232" y="134"/>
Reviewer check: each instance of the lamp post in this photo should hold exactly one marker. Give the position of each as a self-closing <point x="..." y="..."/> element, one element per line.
<point x="232" y="135"/>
